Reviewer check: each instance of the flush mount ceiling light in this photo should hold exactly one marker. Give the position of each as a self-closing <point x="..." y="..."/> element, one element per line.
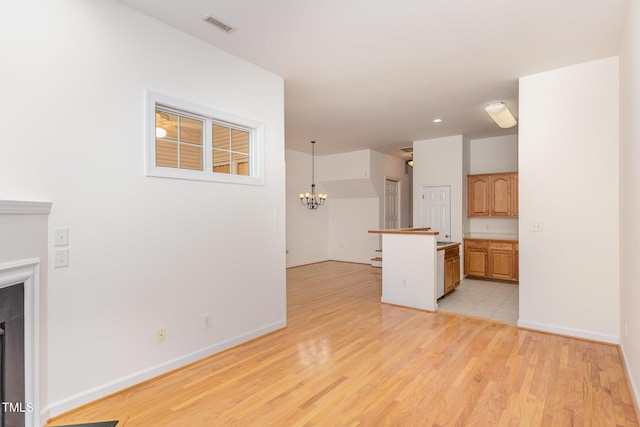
<point x="501" y="114"/>
<point x="437" y="120"/>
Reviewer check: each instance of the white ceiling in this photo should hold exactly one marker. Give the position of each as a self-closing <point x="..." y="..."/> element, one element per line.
<point x="373" y="74"/>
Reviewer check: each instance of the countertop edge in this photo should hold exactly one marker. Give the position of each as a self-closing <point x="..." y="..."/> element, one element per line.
<point x="444" y="247"/>
<point x="418" y="231"/>
<point x="491" y="236"/>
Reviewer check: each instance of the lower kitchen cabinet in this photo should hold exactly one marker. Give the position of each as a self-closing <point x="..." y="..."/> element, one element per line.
<point x="451" y="269"/>
<point x="492" y="259"/>
<point x="476" y="254"/>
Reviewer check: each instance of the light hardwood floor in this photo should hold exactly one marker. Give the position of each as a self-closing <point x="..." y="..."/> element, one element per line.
<point x="347" y="360"/>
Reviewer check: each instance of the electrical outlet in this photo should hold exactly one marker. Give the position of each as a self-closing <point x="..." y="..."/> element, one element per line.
<point x="161" y="335"/>
<point x="207" y="321"/>
<point x="403" y="283"/>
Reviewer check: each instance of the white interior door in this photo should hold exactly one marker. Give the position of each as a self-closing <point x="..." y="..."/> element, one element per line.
<point x="391" y="201"/>
<point x="435" y="210"/>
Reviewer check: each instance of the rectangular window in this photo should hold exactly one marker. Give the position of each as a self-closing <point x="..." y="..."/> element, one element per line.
<point x="191" y="142"/>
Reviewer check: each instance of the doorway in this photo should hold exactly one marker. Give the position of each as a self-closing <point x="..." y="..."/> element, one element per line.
<point x="435" y="210"/>
<point x="391" y="204"/>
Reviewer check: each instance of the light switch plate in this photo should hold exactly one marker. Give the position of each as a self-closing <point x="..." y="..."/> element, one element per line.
<point x="61" y="237"/>
<point x="536" y="227"/>
<point x="61" y="257"/>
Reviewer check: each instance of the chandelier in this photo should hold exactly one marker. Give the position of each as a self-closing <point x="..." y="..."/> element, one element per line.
<point x="311" y="200"/>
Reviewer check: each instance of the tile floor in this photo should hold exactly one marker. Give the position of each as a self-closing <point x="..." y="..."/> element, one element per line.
<point x="480" y="298"/>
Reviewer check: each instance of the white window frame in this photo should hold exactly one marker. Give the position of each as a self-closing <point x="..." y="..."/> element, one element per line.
<point x="256" y="142"/>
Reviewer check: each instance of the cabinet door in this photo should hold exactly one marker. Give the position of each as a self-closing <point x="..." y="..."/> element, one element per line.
<point x="501" y="260"/>
<point x="478" y="195"/>
<point x="500" y="195"/>
<point x="456" y="271"/>
<point x="475" y="257"/>
<point x="449" y="284"/>
<point x="476" y="263"/>
<point x="514" y="194"/>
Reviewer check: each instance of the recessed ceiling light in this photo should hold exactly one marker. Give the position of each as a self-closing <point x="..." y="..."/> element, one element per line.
<point x="437" y="120"/>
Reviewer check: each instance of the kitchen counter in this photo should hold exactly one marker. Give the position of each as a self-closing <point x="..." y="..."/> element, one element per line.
<point x="446" y="245"/>
<point x="491" y="236"/>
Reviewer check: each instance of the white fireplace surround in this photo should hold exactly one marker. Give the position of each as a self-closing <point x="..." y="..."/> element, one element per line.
<point x="23" y="252"/>
<point x="28" y="272"/>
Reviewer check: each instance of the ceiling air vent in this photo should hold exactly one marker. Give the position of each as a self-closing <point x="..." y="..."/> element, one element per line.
<point x="406" y="149"/>
<point x="218" y="23"/>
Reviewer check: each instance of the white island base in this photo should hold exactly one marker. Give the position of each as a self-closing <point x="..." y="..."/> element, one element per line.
<point x="409" y="268"/>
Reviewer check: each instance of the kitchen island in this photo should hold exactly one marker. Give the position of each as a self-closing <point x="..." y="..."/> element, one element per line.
<point x="409" y="270"/>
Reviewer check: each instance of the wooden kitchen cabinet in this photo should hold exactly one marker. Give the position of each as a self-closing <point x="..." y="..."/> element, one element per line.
<point x="493" y="194"/>
<point x="478" y="195"/>
<point x="451" y="269"/>
<point x="500" y="190"/>
<point x="476" y="254"/>
<point x="501" y="256"/>
<point x="514" y="194"/>
<point x="491" y="259"/>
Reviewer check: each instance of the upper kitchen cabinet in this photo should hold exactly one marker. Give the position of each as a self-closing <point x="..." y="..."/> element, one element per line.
<point x="479" y="195"/>
<point x="494" y="194"/>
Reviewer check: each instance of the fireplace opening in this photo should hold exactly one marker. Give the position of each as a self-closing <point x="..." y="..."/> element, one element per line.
<point x="12" y="356"/>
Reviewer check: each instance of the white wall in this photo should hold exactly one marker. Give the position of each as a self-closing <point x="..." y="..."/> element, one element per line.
<point x="568" y="173"/>
<point x="496" y="154"/>
<point x="466" y="170"/>
<point x="629" y="191"/>
<point x="491" y="155"/>
<point x="145" y="253"/>
<point x="350" y="222"/>
<point x="353" y="165"/>
<point x="440" y="162"/>
<point x="307" y="229"/>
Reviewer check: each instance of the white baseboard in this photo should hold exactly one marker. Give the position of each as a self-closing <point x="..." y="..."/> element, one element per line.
<point x="307" y="261"/>
<point x="571" y="332"/>
<point x="634" y="386"/>
<point x="64" y="405"/>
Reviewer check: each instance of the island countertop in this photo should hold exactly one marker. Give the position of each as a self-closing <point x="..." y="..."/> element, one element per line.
<point x="445" y="246"/>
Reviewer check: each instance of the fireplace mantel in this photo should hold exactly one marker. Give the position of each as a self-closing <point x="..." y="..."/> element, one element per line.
<point x="24" y="207"/>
